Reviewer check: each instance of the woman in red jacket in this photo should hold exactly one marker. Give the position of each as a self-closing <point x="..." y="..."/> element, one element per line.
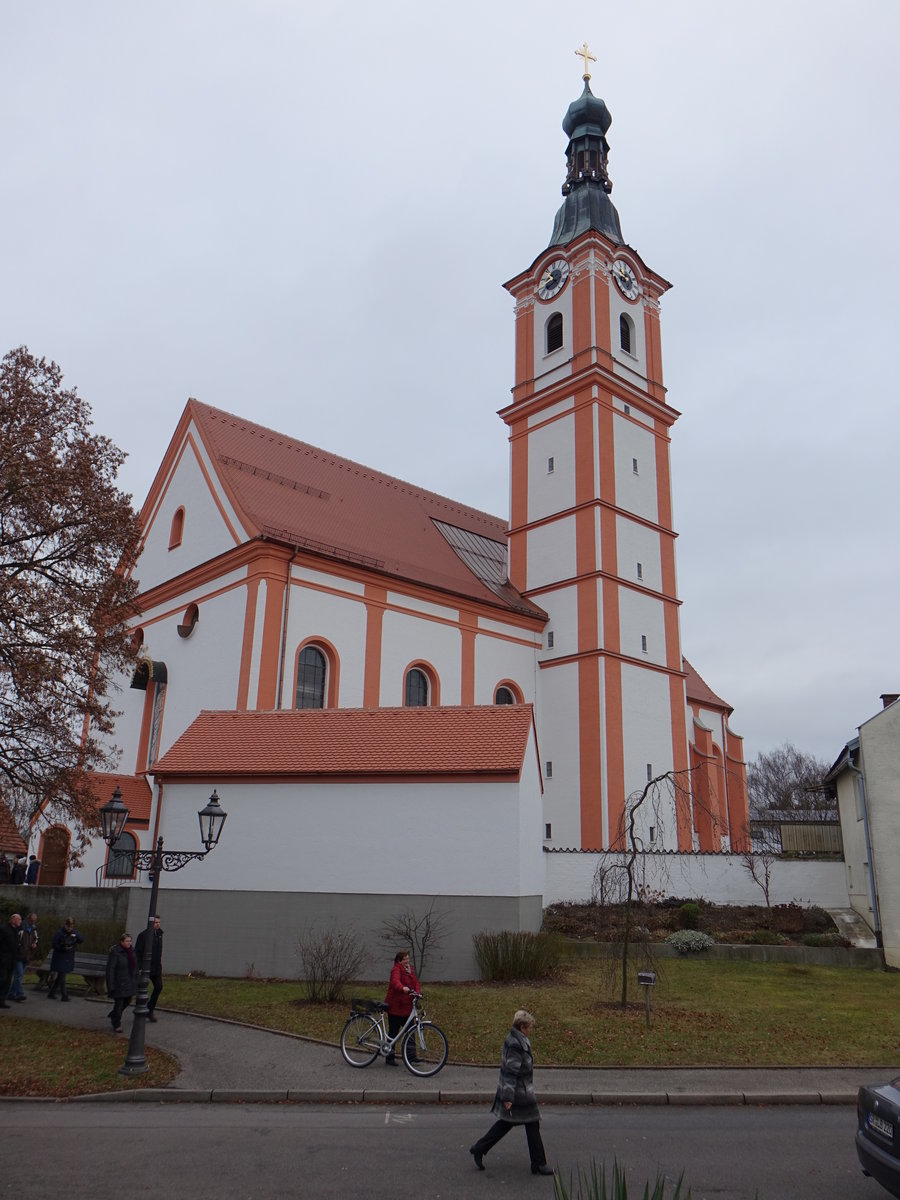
<point x="403" y="984"/>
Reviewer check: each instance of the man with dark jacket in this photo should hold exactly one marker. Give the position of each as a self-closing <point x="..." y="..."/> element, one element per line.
<point x="9" y="942"/>
<point x="17" y="874"/>
<point x="121" y="979"/>
<point x="34" y="866"/>
<point x="156" y="949"/>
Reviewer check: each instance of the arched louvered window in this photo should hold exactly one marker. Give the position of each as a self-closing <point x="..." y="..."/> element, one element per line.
<point x="176" y="533"/>
<point x="415" y="693"/>
<point x="554" y="333"/>
<point x="626" y="333"/>
<point x="120" y="861"/>
<point x="311" y="670"/>
<point x="503" y="695"/>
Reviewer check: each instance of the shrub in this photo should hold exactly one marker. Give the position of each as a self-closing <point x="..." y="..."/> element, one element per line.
<point x="690" y="941"/>
<point x="690" y="915"/>
<point x="824" y="939"/>
<point x="591" y="1184"/>
<point x="330" y="961"/>
<point x="765" y="937"/>
<point x="511" y="954"/>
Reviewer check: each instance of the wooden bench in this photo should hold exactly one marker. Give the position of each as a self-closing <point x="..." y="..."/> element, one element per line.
<point x="91" y="967"/>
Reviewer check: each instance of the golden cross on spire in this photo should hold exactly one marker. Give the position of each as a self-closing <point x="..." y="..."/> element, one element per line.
<point x="587" y="56"/>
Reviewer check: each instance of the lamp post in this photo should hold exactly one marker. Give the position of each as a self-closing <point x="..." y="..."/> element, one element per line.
<point x="113" y="816"/>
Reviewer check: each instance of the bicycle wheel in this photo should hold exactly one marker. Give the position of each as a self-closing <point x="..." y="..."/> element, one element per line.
<point x="425" y="1049"/>
<point x="360" y="1040"/>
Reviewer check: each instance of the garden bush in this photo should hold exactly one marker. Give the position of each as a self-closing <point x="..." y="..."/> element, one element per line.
<point x="690" y="915"/>
<point x="690" y="941"/>
<point x="824" y="939"/>
<point x="765" y="937"/>
<point x="330" y="960"/>
<point x="514" y="954"/>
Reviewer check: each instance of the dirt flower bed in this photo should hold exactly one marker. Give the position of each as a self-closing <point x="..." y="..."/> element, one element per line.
<point x="783" y="923"/>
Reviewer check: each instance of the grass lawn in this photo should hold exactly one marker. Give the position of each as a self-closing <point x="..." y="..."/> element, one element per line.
<point x="42" y="1059"/>
<point x="704" y="1012"/>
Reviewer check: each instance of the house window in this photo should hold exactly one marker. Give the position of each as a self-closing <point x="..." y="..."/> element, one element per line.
<point x="504" y="695"/>
<point x="548" y="832"/>
<point x="554" y="333"/>
<point x="626" y="408"/>
<point x="550" y="640"/>
<point x="310" y="678"/>
<point x="649" y="771"/>
<point x="640" y="570"/>
<point x="643" y="643"/>
<point x="549" y="769"/>
<point x="177" y="530"/>
<point x="652" y="834"/>
<point x="416" y="690"/>
<point x="120" y="861"/>
<point x="188" y="621"/>
<point x="550" y="466"/>
<point x="626" y="333"/>
<point x="634" y="467"/>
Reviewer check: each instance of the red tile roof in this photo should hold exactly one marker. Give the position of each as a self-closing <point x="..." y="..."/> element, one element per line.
<point x="481" y="740"/>
<point x="298" y="494"/>
<point x="136" y="793"/>
<point x="11" y="841"/>
<point x="701" y="693"/>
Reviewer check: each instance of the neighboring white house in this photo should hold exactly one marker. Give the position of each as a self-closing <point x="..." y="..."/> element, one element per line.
<point x="865" y="779"/>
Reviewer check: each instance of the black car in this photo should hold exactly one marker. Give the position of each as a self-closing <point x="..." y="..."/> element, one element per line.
<point x="878" y="1133"/>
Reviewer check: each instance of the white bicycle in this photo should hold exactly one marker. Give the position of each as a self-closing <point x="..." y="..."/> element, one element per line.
<point x="422" y="1044"/>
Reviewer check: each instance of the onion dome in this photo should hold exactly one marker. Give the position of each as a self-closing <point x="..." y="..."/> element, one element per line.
<point x="587" y="185"/>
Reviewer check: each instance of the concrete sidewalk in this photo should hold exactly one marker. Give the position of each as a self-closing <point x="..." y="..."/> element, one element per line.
<point x="223" y="1061"/>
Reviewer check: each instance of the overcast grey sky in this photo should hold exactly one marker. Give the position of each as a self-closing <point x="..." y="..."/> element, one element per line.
<point x="304" y="213"/>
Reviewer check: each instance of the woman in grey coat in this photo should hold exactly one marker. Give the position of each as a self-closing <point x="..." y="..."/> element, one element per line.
<point x="515" y="1102"/>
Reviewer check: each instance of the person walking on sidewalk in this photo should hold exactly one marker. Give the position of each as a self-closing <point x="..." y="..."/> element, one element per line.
<point x="9" y="942"/>
<point x="515" y="1102"/>
<point x="155" y="963"/>
<point x="402" y="985"/>
<point x="16" y="990"/>
<point x="121" y="979"/>
<point x="62" y="960"/>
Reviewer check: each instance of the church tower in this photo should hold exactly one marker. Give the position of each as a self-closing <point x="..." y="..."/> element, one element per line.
<point x="591" y="538"/>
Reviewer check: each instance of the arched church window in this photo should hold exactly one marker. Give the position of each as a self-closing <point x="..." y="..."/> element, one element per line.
<point x="626" y="333"/>
<point x="554" y="333"/>
<point x="415" y="693"/>
<point x="503" y="695"/>
<point x="311" y="669"/>
<point x="120" y="861"/>
<point x="177" y="531"/>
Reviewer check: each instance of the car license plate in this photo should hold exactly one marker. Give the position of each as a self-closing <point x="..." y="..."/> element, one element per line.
<point x="885" y="1128"/>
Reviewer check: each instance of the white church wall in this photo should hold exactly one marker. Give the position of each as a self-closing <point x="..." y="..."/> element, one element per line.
<point x="453" y="838"/>
<point x="635" y="543"/>
<point x="636" y="361"/>
<point x="636" y="490"/>
<point x="561" y="606"/>
<point x="338" y="583"/>
<point x="205" y="532"/>
<point x="630" y="410"/>
<point x="552" y="410"/>
<point x="496" y="660"/>
<point x="717" y="878"/>
<point x="640" y="617"/>
<point x="714" y="722"/>
<point x="551" y="552"/>
<point x="647" y="742"/>
<point x="546" y="364"/>
<point x="337" y="619"/>
<point x="559" y="744"/>
<point x="551" y="491"/>
<point x="405" y="639"/>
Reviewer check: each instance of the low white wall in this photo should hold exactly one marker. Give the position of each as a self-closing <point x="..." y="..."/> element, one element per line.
<point x="718" y="878"/>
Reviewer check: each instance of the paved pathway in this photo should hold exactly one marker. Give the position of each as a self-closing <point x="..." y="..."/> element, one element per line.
<point x="221" y="1060"/>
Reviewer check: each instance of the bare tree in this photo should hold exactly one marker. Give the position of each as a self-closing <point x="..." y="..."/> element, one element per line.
<point x="68" y="540"/>
<point x="422" y="932"/>
<point x="759" y="864"/>
<point x="786" y="778"/>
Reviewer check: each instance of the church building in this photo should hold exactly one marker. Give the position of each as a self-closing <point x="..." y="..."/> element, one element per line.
<point x="402" y="700"/>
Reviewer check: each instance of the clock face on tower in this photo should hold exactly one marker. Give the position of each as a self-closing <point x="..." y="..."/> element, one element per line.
<point x="553" y="279"/>
<point x="626" y="280"/>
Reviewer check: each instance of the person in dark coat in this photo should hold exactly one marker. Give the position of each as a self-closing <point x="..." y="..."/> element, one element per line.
<point x="17" y="874"/>
<point x="399" y="999"/>
<point x="515" y="1102"/>
<point x="34" y="866"/>
<point x="16" y="989"/>
<point x="4" y="869"/>
<point x="155" y="964"/>
<point x="62" y="960"/>
<point x="9" y="943"/>
<point x="121" y="979"/>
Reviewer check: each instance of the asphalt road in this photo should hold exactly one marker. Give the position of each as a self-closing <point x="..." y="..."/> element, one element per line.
<point x="103" y="1151"/>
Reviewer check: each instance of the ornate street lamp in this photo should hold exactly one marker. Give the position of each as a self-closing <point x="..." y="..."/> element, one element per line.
<point x="112" y="818"/>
